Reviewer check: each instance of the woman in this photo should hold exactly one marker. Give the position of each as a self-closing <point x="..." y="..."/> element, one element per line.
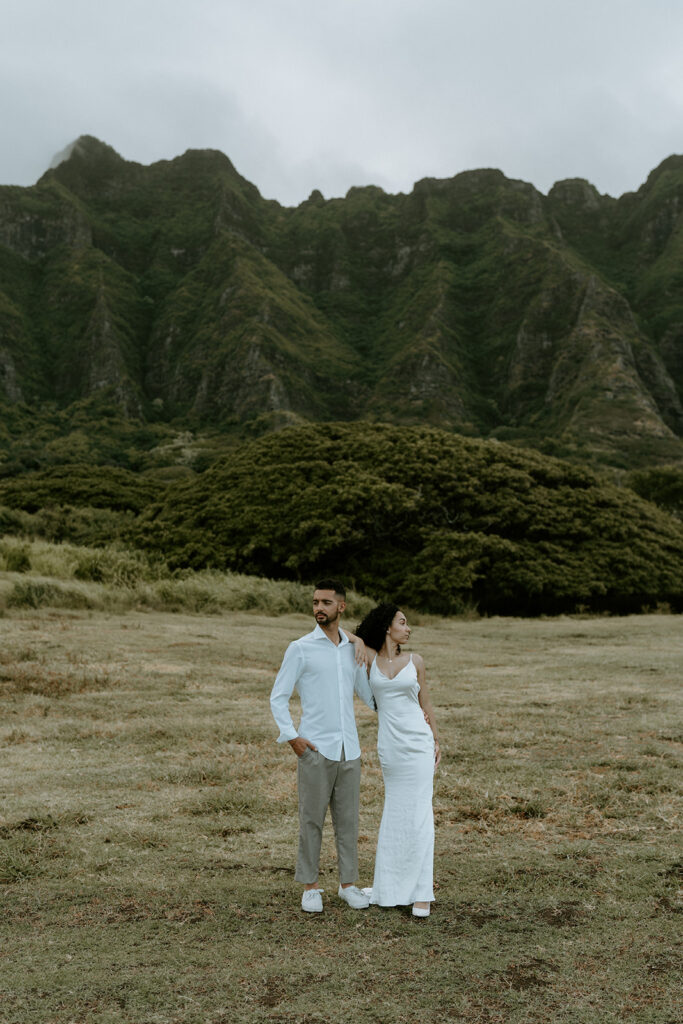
<point x="408" y="750"/>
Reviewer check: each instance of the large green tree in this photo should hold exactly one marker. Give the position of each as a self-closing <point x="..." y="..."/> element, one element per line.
<point x="433" y="520"/>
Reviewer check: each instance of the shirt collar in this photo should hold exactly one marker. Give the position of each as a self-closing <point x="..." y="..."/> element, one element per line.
<point x="320" y="634"/>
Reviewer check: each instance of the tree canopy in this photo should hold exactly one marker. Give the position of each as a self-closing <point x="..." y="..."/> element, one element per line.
<point x="433" y="520"/>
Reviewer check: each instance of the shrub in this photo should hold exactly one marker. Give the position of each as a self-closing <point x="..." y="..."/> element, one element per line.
<point x="214" y="592"/>
<point x="662" y="485"/>
<point x="15" y="557"/>
<point x="115" y="565"/>
<point x="42" y="593"/>
<point x="11" y="521"/>
<point x="117" y="579"/>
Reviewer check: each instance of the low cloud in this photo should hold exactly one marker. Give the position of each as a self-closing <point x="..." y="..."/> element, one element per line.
<point x="311" y="95"/>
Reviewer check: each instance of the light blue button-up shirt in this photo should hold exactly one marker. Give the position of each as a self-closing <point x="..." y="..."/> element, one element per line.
<point x="325" y="676"/>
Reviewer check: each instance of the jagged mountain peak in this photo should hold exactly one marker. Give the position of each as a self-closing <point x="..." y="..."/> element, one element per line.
<point x="87" y="150"/>
<point x="473" y="303"/>
<point x="481" y="177"/>
<point x="207" y="156"/>
<point x="208" y="162"/>
<point x="85" y="146"/>
<point x="673" y="164"/>
<point x="577" y="192"/>
<point x="89" y="166"/>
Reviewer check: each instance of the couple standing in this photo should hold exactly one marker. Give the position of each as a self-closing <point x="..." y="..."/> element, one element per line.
<point x="326" y="667"/>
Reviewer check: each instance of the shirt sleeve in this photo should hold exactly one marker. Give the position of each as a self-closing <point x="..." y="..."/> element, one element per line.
<point x="285" y="681"/>
<point x="362" y="687"/>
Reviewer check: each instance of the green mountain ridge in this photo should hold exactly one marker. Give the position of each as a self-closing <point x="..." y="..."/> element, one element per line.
<point x="474" y="303"/>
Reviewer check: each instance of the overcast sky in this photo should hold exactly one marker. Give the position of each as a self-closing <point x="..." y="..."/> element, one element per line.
<point x="305" y="94"/>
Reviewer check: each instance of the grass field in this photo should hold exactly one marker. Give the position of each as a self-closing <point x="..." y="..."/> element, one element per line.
<point x="148" y="829"/>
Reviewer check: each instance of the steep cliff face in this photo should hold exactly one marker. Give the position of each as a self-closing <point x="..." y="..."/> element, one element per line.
<point x="10" y="388"/>
<point x="597" y="374"/>
<point x="474" y="303"/>
<point x="636" y="244"/>
<point x="33" y="222"/>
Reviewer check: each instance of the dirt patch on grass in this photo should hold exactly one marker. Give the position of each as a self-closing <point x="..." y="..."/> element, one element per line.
<point x="274" y="991"/>
<point x="29" y="825"/>
<point x="478" y="916"/>
<point x="563" y="915"/>
<point x="533" y="973"/>
<point x="674" y="871"/>
<point x="129" y="909"/>
<point x="41" y="681"/>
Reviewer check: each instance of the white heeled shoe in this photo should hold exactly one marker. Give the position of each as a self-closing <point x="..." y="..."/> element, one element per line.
<point x="420" y="911"/>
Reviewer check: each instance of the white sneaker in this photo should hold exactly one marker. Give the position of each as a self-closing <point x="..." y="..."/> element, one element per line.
<point x="352" y="895"/>
<point x="312" y="901"/>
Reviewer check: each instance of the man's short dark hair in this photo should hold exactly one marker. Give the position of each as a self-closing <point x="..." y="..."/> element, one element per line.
<point x="331" y="584"/>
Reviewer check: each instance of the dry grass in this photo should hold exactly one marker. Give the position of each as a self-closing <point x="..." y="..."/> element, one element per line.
<point x="148" y="832"/>
<point x="40" y="574"/>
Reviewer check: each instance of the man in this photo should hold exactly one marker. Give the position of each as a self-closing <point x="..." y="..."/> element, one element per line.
<point x="322" y="667"/>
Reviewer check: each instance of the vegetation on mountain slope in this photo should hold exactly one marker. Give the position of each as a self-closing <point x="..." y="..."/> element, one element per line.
<point x="153" y="318"/>
<point x="475" y="304"/>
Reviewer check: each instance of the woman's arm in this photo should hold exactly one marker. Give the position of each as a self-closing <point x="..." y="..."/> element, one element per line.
<point x="361" y="651"/>
<point x="426" y="705"/>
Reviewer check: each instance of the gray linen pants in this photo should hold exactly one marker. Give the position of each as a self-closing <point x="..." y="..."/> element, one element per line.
<point x="335" y="784"/>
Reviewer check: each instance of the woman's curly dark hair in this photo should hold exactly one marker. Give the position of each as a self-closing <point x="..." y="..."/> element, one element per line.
<point x="373" y="629"/>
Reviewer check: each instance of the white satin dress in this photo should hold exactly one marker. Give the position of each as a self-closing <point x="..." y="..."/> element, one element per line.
<point x="404" y="863"/>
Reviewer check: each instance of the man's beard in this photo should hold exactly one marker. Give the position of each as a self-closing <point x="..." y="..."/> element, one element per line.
<point x="323" y="619"/>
